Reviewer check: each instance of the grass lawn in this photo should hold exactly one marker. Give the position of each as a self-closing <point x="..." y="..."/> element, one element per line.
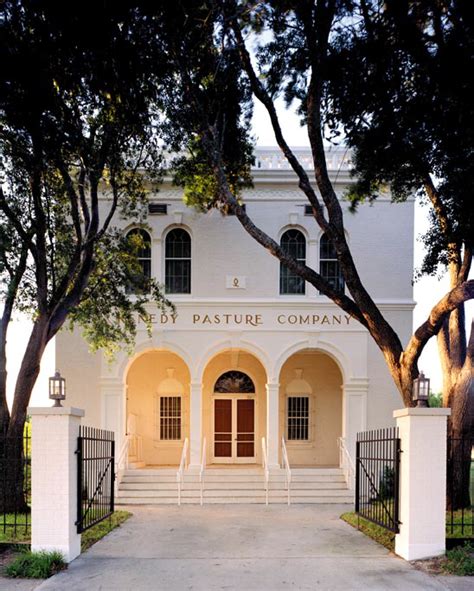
<point x="89" y="537"/>
<point x="23" y="529"/>
<point x="98" y="531"/>
<point x="458" y="561"/>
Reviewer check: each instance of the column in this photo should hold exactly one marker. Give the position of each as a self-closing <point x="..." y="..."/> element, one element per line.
<point x="113" y="407"/>
<point x="54" y="434"/>
<point x="354" y="410"/>
<point x="195" y="425"/>
<point x="273" y="424"/>
<point x="422" y="482"/>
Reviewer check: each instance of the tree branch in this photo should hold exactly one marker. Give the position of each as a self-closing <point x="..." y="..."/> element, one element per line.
<point x="433" y="324"/>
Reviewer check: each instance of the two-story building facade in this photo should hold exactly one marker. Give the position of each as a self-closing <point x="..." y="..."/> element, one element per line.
<point x="251" y="351"/>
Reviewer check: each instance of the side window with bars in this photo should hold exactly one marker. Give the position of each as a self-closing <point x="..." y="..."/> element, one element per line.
<point x="169" y="409"/>
<point x="297" y="418"/>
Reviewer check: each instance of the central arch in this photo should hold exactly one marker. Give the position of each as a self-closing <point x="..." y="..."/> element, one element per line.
<point x="234" y="407"/>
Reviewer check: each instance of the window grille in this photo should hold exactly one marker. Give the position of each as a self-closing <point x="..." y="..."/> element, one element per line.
<point x="292" y="242"/>
<point x="139" y="282"/>
<point x="178" y="262"/>
<point x="298" y="418"/>
<point x="170" y="418"/>
<point x="329" y="267"/>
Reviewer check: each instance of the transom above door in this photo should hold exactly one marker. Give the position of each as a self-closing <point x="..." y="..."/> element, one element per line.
<point x="234" y="419"/>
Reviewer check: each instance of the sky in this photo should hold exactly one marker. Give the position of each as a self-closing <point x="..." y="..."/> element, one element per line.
<point x="427" y="291"/>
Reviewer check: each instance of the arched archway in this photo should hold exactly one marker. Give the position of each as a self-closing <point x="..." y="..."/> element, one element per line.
<point x="157" y="407"/>
<point x="234" y="407"/>
<point x="311" y="408"/>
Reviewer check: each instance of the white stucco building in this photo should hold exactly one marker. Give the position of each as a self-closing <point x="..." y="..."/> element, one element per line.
<point x="252" y="353"/>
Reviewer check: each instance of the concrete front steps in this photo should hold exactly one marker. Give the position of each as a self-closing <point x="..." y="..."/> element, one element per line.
<point x="236" y="485"/>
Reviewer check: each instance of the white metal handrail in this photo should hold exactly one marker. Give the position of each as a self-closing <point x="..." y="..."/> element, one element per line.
<point x="122" y="462"/>
<point x="202" y="469"/>
<point x="182" y="466"/>
<point x="286" y="467"/>
<point x="266" y="473"/>
<point x="346" y="462"/>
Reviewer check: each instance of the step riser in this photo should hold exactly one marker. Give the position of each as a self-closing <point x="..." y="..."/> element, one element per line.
<point x="239" y="501"/>
<point x="233" y="486"/>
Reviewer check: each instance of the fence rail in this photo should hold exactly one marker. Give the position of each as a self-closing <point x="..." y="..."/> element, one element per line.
<point x="15" y="487"/>
<point x="377" y="477"/>
<point x="95" y="476"/>
<point x="460" y="489"/>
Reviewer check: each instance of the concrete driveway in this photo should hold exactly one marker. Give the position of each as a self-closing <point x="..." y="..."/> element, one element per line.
<point x="248" y="547"/>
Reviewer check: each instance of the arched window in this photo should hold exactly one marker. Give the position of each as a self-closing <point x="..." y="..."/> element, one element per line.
<point x="234" y="382"/>
<point x="142" y="242"/>
<point x="178" y="262"/>
<point x="292" y="242"/>
<point x="329" y="267"/>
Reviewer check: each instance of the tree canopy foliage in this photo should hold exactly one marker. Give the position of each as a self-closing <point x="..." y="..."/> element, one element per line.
<point x="79" y="120"/>
<point x="379" y="75"/>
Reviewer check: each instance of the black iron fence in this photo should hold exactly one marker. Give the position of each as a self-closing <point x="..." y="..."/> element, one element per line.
<point x="460" y="490"/>
<point x="377" y="477"/>
<point x="95" y="476"/>
<point x="15" y="486"/>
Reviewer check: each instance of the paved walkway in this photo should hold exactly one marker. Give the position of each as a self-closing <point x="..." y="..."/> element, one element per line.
<point x="239" y="547"/>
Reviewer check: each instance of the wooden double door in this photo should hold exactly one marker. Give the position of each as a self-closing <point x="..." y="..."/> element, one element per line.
<point x="234" y="430"/>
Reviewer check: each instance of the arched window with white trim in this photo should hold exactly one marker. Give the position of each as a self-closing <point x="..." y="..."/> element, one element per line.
<point x="329" y="267"/>
<point x="140" y="281"/>
<point x="178" y="261"/>
<point x="293" y="243"/>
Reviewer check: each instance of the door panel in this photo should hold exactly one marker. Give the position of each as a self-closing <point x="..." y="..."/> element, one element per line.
<point x="245" y="428"/>
<point x="223" y="428"/>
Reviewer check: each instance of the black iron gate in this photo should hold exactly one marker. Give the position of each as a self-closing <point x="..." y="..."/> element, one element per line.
<point x="15" y="487"/>
<point x="460" y="491"/>
<point x="377" y="477"/>
<point x="95" y="476"/>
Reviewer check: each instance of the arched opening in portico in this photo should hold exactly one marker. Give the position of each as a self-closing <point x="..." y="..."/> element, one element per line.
<point x="234" y="407"/>
<point x="157" y="408"/>
<point x="311" y="408"/>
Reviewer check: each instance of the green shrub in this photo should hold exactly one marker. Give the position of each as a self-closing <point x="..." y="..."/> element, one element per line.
<point x="387" y="484"/>
<point x="36" y="565"/>
<point x="460" y="561"/>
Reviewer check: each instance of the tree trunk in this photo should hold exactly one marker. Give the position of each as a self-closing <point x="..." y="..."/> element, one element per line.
<point x="12" y="461"/>
<point x="460" y="438"/>
<point x="13" y="479"/>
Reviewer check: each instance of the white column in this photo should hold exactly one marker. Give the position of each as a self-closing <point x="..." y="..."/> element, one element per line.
<point x="354" y="412"/>
<point x="195" y="425"/>
<point x="54" y="434"/>
<point x="273" y="424"/>
<point x="112" y="393"/>
<point x="422" y="482"/>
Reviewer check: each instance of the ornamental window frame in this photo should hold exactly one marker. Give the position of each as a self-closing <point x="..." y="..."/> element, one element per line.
<point x="144" y="258"/>
<point x="168" y="259"/>
<point x="285" y="274"/>
<point x="336" y="279"/>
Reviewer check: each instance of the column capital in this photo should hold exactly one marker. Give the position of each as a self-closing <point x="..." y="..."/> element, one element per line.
<point x="55" y="411"/>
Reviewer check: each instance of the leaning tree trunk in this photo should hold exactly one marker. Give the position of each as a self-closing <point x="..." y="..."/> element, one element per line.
<point x="460" y="441"/>
<point x="13" y="491"/>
